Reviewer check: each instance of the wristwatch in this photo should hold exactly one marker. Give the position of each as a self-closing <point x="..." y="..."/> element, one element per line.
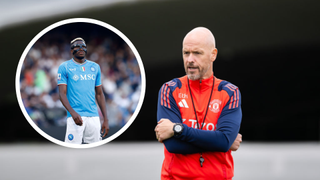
<point x="177" y="129"/>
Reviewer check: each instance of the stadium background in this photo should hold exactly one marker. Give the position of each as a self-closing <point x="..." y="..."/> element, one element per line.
<point x="268" y="49"/>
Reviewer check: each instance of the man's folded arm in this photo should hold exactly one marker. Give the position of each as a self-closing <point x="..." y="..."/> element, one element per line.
<point x="228" y="125"/>
<point x="219" y="140"/>
<point x="172" y="112"/>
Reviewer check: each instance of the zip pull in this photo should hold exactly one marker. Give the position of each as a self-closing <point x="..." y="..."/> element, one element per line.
<point x="201" y="159"/>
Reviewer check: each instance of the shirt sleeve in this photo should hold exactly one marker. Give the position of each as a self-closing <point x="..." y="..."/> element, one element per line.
<point x="228" y="126"/>
<point x="167" y="108"/>
<point x="62" y="75"/>
<point x="98" y="79"/>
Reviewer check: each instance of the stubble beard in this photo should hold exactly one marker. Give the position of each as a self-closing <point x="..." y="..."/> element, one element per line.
<point x="199" y="75"/>
<point x="193" y="76"/>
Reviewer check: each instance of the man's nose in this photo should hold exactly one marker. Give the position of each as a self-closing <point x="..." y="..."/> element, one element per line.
<point x="190" y="58"/>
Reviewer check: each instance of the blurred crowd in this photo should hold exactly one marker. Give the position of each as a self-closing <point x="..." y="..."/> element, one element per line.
<point x="120" y="77"/>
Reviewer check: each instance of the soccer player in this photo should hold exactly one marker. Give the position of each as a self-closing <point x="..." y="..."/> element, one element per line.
<point x="198" y="116"/>
<point x="79" y="85"/>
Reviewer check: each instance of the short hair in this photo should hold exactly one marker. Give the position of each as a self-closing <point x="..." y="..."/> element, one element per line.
<point x="77" y="39"/>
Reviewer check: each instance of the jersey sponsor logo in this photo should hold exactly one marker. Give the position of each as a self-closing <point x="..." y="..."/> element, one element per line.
<point x="215" y="105"/>
<point x="84" y="77"/>
<point x="87" y="77"/>
<point x="75" y="77"/>
<point x="92" y="69"/>
<point x="59" y="76"/>
<point x="193" y="123"/>
<point x="183" y="103"/>
<point x="72" y="69"/>
<point x="182" y="95"/>
<point x="70" y="137"/>
<point x="83" y="69"/>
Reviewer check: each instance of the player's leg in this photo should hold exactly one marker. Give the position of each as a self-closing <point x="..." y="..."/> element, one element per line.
<point x="74" y="133"/>
<point x="92" y="131"/>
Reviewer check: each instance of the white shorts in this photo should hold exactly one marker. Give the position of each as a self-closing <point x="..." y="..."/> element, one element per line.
<point x="89" y="131"/>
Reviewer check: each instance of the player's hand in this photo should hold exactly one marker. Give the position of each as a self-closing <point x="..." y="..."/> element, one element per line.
<point x="236" y="144"/>
<point x="164" y="130"/>
<point x="105" y="128"/>
<point x="77" y="118"/>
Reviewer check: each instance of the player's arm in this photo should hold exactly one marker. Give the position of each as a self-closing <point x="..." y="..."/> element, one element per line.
<point x="219" y="140"/>
<point x="102" y="104"/>
<point x="228" y="126"/>
<point x="172" y="112"/>
<point x="62" y="83"/>
<point x="64" y="100"/>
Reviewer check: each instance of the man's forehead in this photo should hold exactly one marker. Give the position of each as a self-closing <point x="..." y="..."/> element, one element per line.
<point x="194" y="44"/>
<point x="192" y="47"/>
<point x="79" y="42"/>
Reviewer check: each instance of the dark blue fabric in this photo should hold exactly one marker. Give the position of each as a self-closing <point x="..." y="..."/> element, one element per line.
<point x="174" y="145"/>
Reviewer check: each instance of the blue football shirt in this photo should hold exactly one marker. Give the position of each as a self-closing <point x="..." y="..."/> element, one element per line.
<point x="81" y="80"/>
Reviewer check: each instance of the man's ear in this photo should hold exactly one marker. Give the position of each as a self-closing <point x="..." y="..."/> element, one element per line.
<point x="214" y="54"/>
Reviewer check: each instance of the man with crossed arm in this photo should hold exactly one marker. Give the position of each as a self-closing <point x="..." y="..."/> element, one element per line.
<point x="199" y="116"/>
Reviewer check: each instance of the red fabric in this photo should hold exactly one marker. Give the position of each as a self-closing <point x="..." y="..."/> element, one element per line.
<point x="217" y="165"/>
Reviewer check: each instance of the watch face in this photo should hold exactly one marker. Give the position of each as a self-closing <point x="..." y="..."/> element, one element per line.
<point x="178" y="128"/>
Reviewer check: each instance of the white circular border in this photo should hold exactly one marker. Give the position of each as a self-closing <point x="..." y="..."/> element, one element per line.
<point x="92" y="21"/>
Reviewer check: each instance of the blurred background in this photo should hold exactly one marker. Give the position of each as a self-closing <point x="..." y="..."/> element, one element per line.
<point x="269" y="49"/>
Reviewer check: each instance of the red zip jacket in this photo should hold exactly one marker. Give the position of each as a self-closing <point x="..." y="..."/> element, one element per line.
<point x="221" y="126"/>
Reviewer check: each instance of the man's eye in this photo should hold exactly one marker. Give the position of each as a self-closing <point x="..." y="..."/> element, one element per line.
<point x="77" y="47"/>
<point x="186" y="53"/>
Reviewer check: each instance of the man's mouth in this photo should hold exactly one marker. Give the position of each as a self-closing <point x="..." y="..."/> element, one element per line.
<point x="192" y="68"/>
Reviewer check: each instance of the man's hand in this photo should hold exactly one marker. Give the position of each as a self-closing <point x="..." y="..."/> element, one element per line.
<point x="102" y="104"/>
<point x="236" y="144"/>
<point x="77" y="118"/>
<point x="105" y="128"/>
<point x="164" y="130"/>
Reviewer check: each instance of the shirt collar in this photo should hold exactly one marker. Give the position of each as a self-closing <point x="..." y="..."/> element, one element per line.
<point x="85" y="61"/>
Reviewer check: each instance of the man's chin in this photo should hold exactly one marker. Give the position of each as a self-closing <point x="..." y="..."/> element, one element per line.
<point x="80" y="57"/>
<point x="193" y="77"/>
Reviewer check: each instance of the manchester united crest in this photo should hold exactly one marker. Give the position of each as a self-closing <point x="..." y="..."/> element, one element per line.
<point x="215" y="105"/>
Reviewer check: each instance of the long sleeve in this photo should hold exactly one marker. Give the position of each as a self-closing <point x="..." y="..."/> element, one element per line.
<point x="227" y="128"/>
<point x="167" y="108"/>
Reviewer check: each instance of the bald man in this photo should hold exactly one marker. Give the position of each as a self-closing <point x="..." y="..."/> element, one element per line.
<point x="198" y="116"/>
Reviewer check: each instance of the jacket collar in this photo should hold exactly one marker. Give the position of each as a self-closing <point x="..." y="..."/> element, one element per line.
<point x="203" y="84"/>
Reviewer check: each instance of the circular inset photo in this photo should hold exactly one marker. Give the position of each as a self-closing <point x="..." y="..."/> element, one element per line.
<point x="80" y="83"/>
